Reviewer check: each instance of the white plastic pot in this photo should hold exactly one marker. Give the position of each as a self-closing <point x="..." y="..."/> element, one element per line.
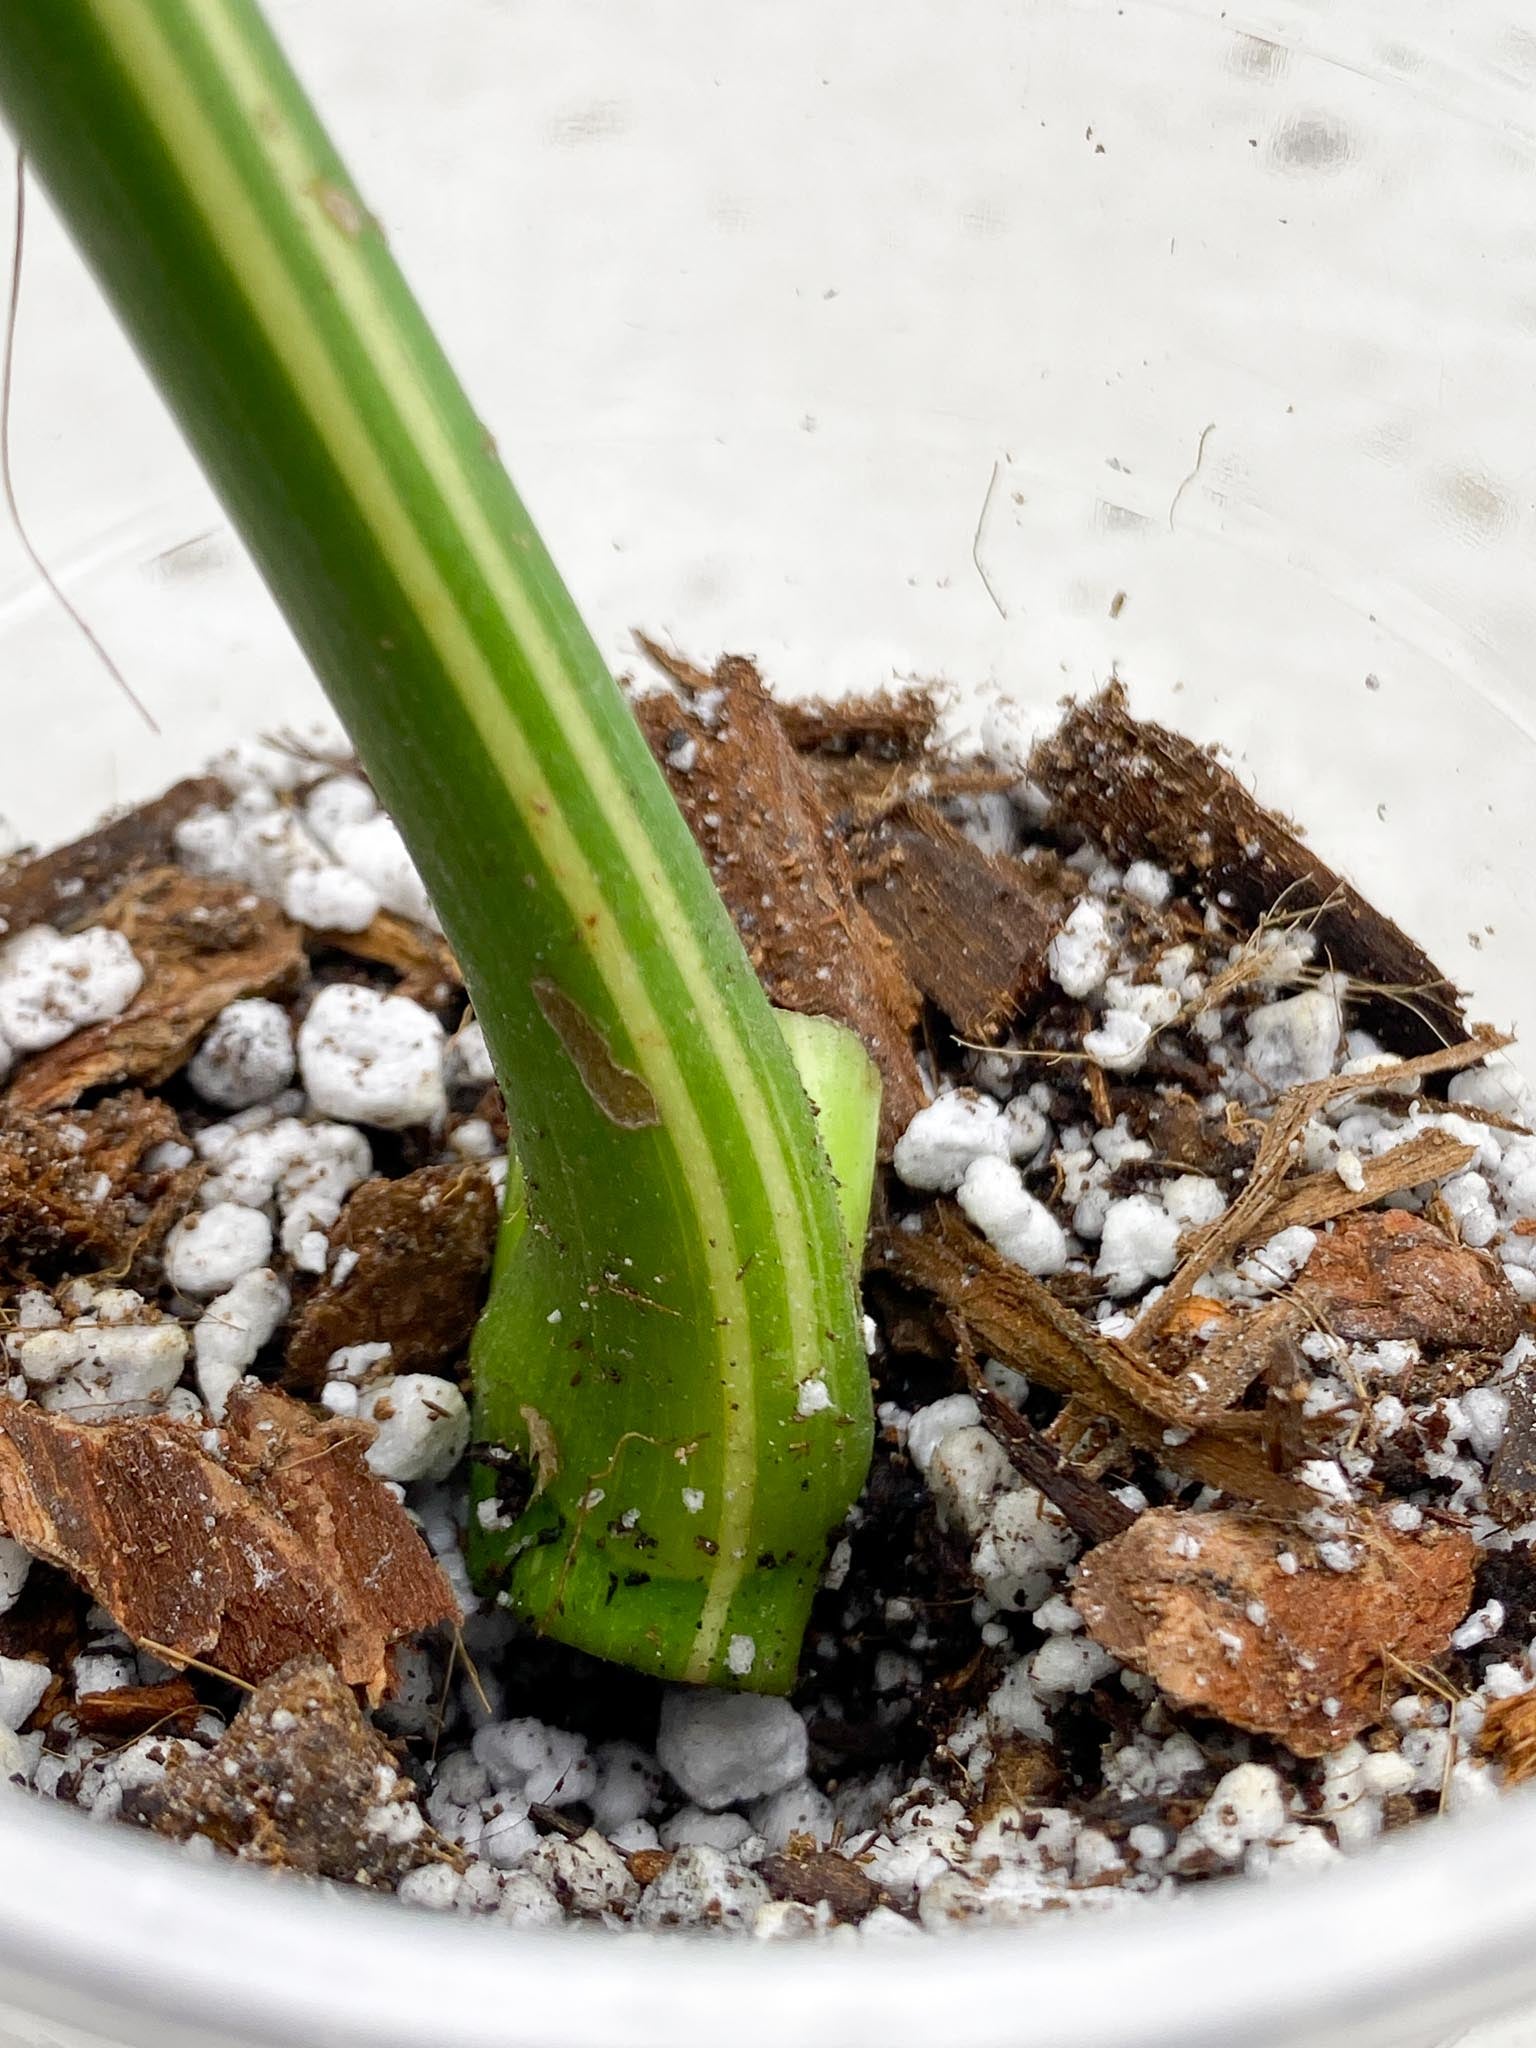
<point x="1005" y="343"/>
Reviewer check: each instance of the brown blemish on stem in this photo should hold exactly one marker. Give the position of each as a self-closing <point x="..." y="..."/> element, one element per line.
<point x="621" y="1095"/>
<point x="340" y="206"/>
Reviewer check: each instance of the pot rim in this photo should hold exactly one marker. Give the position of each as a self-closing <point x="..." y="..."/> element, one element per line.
<point x="107" y="1931"/>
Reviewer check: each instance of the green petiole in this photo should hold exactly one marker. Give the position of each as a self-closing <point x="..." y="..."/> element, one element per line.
<point x="677" y="1276"/>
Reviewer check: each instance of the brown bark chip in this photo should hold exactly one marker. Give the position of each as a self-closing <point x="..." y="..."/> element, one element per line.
<point x="74" y="1193"/>
<point x="132" y="1710"/>
<point x="813" y="1876"/>
<point x="1008" y="1314"/>
<point x="781" y="866"/>
<point x="1512" y="1475"/>
<point x="1321" y="1197"/>
<point x="68" y="886"/>
<point x="201" y="945"/>
<point x="970" y="929"/>
<point x="277" y="1543"/>
<point x="423" y="1247"/>
<point x="895" y="728"/>
<point x="1508" y="1735"/>
<point x="1088" y="1508"/>
<point x="299" y="1781"/>
<point x="428" y="972"/>
<point x="1388" y="1274"/>
<point x="1023" y="1774"/>
<point x="1202" y="1605"/>
<point x="1145" y="793"/>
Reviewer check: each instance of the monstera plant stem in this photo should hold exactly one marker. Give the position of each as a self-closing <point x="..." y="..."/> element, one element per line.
<point x="669" y="1376"/>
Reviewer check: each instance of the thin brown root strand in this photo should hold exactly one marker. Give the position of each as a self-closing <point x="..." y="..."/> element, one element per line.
<point x="455" y="1644"/>
<point x="128" y="1741"/>
<point x="461" y="1652"/>
<point x="183" y="1660"/>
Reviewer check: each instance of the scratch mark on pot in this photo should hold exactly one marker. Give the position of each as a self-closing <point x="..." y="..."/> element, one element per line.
<point x="621" y="1095"/>
<point x="1205" y="434"/>
<point x="986" y="506"/>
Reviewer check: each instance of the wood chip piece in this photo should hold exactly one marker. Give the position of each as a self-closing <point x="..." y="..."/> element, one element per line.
<point x="1512" y="1474"/>
<point x="201" y="944"/>
<point x="1011" y="1316"/>
<point x="1201" y="1605"/>
<point x="1508" y="1735"/>
<point x="1321" y="1197"/>
<point x="74" y="1192"/>
<point x="429" y="974"/>
<point x="896" y="727"/>
<point x="781" y="866"/>
<point x="1262" y="1343"/>
<point x="1279" y="1146"/>
<point x="971" y="930"/>
<point x="68" y="886"/>
<point x="1089" y="1509"/>
<point x="814" y="1876"/>
<point x="129" y="1711"/>
<point x="299" y="1781"/>
<point x="1022" y="1776"/>
<point x="422" y="1248"/>
<point x="1387" y="1274"/>
<point x="1143" y="792"/>
<point x="286" y="1546"/>
<point x="646" y="1865"/>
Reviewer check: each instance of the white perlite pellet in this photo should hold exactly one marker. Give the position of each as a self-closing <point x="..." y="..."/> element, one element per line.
<point x="1080" y="953"/>
<point x="422" y="1424"/>
<point x="372" y="1059"/>
<point x="338" y="801"/>
<point x="469" y="1059"/>
<point x="246" y="1057"/>
<point x="307" y="1170"/>
<point x="723" y="1748"/>
<point x="330" y="898"/>
<point x="119" y="1372"/>
<point x="542" y="1765"/>
<point x="1148" y="883"/>
<point x="231" y="1331"/>
<point x="929" y="1426"/>
<point x="1139" y="1243"/>
<point x="994" y="1197"/>
<point x="1119" y="1041"/>
<point x="373" y="849"/>
<point x="15" y="1564"/>
<point x="946" y="1138"/>
<point x="210" y="1250"/>
<point x="22" y="1685"/>
<point x="702" y="1887"/>
<point x="52" y="986"/>
<point x="1296" y="1040"/>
